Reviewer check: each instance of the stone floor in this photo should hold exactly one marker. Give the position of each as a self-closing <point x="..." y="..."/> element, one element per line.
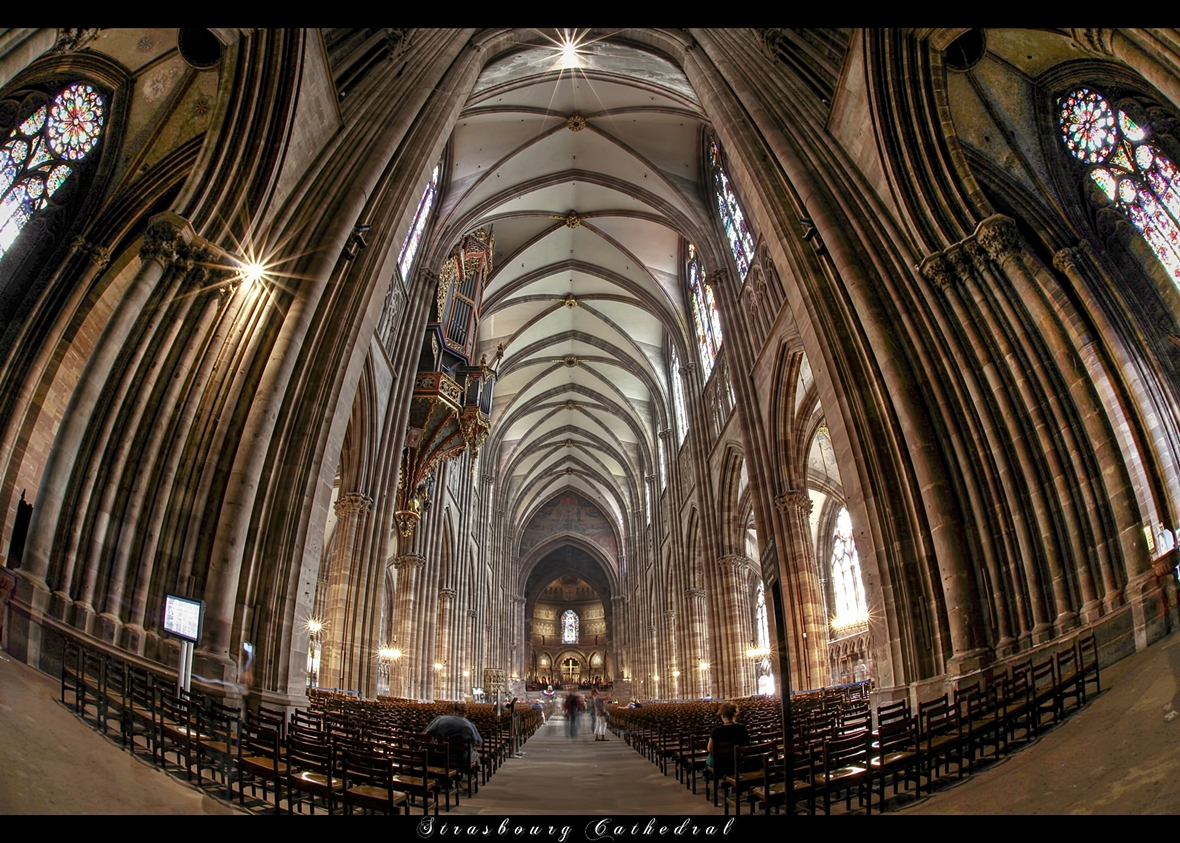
<point x="1118" y="755"/>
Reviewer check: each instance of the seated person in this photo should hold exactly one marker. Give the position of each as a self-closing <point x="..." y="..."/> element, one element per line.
<point x="456" y="725"/>
<point x="724" y="738"/>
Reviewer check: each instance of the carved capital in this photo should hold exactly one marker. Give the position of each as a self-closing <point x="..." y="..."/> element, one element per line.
<point x="695" y="592"/>
<point x="999" y="236"/>
<point x="160" y="241"/>
<point x="70" y="40"/>
<point x="471" y="613"/>
<point x="651" y="478"/>
<point x="719" y="277"/>
<point x="353" y="502"/>
<point x="961" y="264"/>
<point x="410" y="563"/>
<point x="793" y="499"/>
<point x="666" y="433"/>
<point x="735" y="562"/>
<point x="687" y="369"/>
<point x="1098" y="41"/>
<point x="936" y="270"/>
<point x="447" y="595"/>
<point x="669" y="614"/>
<point x="1066" y="260"/>
<point x="976" y="254"/>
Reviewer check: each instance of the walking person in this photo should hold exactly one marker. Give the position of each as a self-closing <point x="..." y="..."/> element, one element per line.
<point x="598" y="708"/>
<point x="573" y="704"/>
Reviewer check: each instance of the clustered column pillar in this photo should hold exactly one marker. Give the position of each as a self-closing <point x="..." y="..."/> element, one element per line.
<point x="737" y="625"/>
<point x="409" y="568"/>
<point x="671" y="663"/>
<point x="809" y="630"/>
<point x="349" y="511"/>
<point x="698" y="657"/>
<point x="445" y="683"/>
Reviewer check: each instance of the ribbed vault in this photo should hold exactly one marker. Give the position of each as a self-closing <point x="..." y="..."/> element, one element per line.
<point x="590" y="177"/>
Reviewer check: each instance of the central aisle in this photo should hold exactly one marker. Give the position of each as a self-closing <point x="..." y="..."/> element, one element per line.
<point x="560" y="776"/>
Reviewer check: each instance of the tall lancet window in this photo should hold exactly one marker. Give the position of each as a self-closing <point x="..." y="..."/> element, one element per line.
<point x="414" y="236"/>
<point x="705" y="320"/>
<point x="1129" y="167"/>
<point x="741" y="240"/>
<point x="678" y="400"/>
<point x="569" y="627"/>
<point x="43" y="150"/>
<point x="847" y="586"/>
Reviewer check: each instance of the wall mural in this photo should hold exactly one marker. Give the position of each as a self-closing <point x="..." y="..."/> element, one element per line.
<point x="572" y="513"/>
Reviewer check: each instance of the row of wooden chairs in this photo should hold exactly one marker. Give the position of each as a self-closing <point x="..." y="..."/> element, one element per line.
<point x="337" y="753"/>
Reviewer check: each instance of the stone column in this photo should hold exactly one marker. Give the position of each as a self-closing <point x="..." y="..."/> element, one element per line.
<point x="405" y="622"/>
<point x="737" y="625"/>
<point x="337" y="646"/>
<point x="672" y="662"/>
<point x="445" y="684"/>
<point x="163" y="235"/>
<point x="698" y="679"/>
<point x="807" y="625"/>
<point x="469" y="657"/>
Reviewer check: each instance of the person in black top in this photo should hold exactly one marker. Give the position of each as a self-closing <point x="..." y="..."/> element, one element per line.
<point x="724" y="738"/>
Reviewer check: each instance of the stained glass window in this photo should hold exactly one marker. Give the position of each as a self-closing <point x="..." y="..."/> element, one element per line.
<point x="705" y="320"/>
<point x="1128" y="167"/>
<point x="39" y="155"/>
<point x="678" y="400"/>
<point x="569" y="627"/>
<point x="414" y="236"/>
<point x="741" y="240"/>
<point x="847" y="586"/>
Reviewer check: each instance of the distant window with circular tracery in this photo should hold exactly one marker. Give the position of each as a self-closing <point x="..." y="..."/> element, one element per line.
<point x="42" y="151"/>
<point x="1128" y="166"/>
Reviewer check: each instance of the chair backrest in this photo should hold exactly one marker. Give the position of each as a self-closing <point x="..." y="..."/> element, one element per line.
<point x="890" y="712"/>
<point x="259" y="741"/>
<point x="845" y="750"/>
<point x="309" y="755"/>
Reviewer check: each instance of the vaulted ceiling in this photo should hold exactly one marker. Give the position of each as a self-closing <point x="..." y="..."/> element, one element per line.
<point x="589" y="169"/>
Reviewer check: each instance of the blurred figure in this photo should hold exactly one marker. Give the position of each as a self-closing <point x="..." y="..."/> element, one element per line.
<point x="573" y="704"/>
<point x="598" y="707"/>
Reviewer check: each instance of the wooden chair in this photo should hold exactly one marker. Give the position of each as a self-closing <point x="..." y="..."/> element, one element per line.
<point x="411" y="776"/>
<point x="940" y="732"/>
<point x="91" y="673"/>
<point x="71" y="673"/>
<point x="1046" y="702"/>
<point x="749" y="771"/>
<point x="260" y="759"/>
<point x="441" y="768"/>
<point x="1069" y="679"/>
<point x="1088" y="666"/>
<point x="896" y="753"/>
<point x="311" y="771"/>
<point x="138" y="716"/>
<point x="217" y="734"/>
<point x="114" y="692"/>
<point x="175" y="730"/>
<point x="1017" y="713"/>
<point x="982" y="724"/>
<point x="786" y="780"/>
<point x="844" y="769"/>
<point x="367" y="783"/>
<point x="721" y="767"/>
<point x="893" y="712"/>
